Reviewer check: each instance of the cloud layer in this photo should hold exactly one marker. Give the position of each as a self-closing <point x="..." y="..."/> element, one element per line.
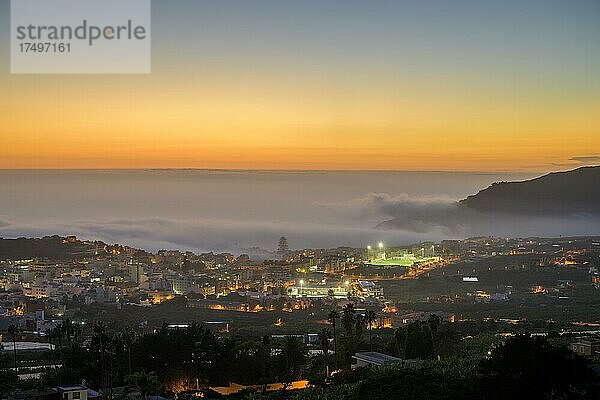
<point x="204" y="235"/>
<point x="232" y="211"/>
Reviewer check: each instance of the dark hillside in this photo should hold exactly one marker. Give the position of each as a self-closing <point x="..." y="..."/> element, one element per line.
<point x="560" y="193"/>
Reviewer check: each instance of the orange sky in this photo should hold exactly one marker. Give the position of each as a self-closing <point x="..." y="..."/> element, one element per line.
<point x="144" y="122"/>
<point x="438" y="91"/>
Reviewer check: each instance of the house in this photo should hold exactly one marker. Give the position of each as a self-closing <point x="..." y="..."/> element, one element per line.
<point x="370" y="289"/>
<point x="75" y="392"/>
<point x="373" y="358"/>
<point x="586" y="348"/>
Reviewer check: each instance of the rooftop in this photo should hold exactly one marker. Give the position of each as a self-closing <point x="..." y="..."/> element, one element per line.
<point x="376" y="358"/>
<point x="70" y="388"/>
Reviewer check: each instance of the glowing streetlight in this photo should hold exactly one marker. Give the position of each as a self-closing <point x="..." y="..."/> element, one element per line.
<point x="381" y="250"/>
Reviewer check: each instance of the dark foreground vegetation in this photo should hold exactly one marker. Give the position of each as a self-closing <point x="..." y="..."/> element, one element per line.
<point x="186" y="362"/>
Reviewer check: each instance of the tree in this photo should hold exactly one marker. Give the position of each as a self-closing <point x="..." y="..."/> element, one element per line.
<point x="359" y="324"/>
<point x="145" y="383"/>
<point x="370" y="317"/>
<point x="7" y="376"/>
<point x="330" y="294"/>
<point x="348" y="318"/>
<point x="68" y="329"/>
<point x="293" y="355"/>
<point x="69" y="356"/>
<point x="324" y="336"/>
<point x="421" y="383"/>
<point x="530" y="368"/>
<point x="13" y="331"/>
<point x="415" y="340"/>
<point x="434" y="323"/>
<point x="400" y="341"/>
<point x="127" y="337"/>
<point x="251" y="364"/>
<point x="353" y="326"/>
<point x="446" y="341"/>
<point x="332" y="318"/>
<point x="185" y="354"/>
<point x="101" y="355"/>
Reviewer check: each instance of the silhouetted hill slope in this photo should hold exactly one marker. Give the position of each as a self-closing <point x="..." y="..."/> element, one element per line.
<point x="559" y="193"/>
<point x="562" y="203"/>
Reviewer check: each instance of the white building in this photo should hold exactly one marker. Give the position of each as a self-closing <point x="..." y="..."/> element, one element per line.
<point x="76" y="392"/>
<point x="317" y="291"/>
<point x="373" y="358"/>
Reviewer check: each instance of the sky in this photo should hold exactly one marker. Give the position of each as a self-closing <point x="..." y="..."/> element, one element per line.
<point x="326" y="85"/>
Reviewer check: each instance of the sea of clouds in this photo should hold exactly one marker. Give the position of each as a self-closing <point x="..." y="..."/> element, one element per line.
<point x="237" y="210"/>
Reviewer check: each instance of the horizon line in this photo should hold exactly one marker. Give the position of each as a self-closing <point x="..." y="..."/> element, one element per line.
<point x="299" y="170"/>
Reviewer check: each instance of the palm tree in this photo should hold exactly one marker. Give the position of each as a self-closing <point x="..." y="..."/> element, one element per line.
<point x="14" y="330"/>
<point x="400" y="335"/>
<point x="359" y="324"/>
<point x="294" y="355"/>
<point x="324" y="335"/>
<point x="127" y="337"/>
<point x="145" y="383"/>
<point x="76" y="333"/>
<point x="434" y="323"/>
<point x="101" y="338"/>
<point x="370" y="317"/>
<point x="49" y="336"/>
<point x="58" y="334"/>
<point x="68" y="329"/>
<point x="348" y="318"/>
<point x="332" y="317"/>
<point x="330" y="294"/>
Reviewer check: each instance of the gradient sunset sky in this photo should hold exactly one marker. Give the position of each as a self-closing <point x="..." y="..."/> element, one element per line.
<point x="393" y="85"/>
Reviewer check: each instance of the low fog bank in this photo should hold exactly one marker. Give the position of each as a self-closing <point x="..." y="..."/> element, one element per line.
<point x="355" y="222"/>
<point x="459" y="222"/>
<point x="220" y="235"/>
<point x="237" y="210"/>
<point x="452" y="219"/>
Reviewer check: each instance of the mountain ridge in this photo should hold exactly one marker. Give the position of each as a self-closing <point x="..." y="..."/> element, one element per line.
<point x="558" y="193"/>
<point x="559" y="203"/>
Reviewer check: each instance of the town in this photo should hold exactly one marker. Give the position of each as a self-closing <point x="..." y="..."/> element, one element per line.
<point x="375" y="301"/>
